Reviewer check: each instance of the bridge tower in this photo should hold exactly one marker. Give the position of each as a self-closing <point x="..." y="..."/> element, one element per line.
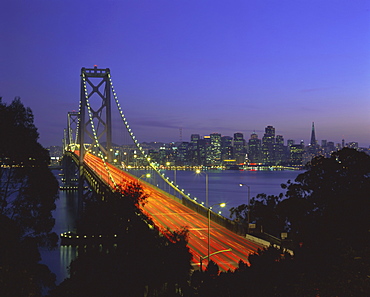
<point x="70" y="170"/>
<point x="95" y="120"/>
<point x="95" y="112"/>
<point x="71" y="132"/>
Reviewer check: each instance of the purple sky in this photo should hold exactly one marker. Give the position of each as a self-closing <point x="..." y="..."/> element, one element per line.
<point x="203" y="66"/>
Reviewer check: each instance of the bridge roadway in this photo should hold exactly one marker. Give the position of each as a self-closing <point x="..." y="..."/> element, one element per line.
<point x="166" y="212"/>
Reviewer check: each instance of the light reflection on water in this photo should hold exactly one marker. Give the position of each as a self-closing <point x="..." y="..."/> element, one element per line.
<point x="65" y="216"/>
<point x="67" y="255"/>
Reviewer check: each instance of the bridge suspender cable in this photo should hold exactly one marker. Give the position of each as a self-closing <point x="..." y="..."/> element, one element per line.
<point x="84" y="102"/>
<point x="151" y="164"/>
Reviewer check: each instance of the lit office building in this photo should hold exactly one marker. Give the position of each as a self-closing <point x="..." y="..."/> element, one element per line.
<point x="296" y="154"/>
<point x="254" y="148"/>
<point x="194" y="151"/>
<point x="215" y="149"/>
<point x="268" y="142"/>
<point x="239" y="148"/>
<point x="279" y="150"/>
<point x="227" y="148"/>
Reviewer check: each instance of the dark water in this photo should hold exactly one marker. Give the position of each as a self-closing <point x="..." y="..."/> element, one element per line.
<point x="65" y="216"/>
<point x="223" y="186"/>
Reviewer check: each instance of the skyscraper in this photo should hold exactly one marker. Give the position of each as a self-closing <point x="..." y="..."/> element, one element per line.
<point x="204" y="150"/>
<point x="296" y="154"/>
<point x="183" y="153"/>
<point x="313" y="147"/>
<point x="194" y="154"/>
<point x="268" y="142"/>
<point x="239" y="147"/>
<point x="279" y="149"/>
<point x="313" y="137"/>
<point x="227" y="147"/>
<point x="254" y="148"/>
<point x="215" y="153"/>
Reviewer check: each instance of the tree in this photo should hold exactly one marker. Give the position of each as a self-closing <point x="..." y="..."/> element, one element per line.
<point x="326" y="212"/>
<point x="333" y="199"/>
<point x="268" y="273"/>
<point x="132" y="257"/>
<point x="21" y="274"/>
<point x="28" y="191"/>
<point x="264" y="211"/>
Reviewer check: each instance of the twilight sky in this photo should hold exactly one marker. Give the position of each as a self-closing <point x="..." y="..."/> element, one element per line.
<point x="204" y="66"/>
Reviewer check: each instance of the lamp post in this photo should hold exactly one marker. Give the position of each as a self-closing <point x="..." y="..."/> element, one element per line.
<point x="168" y="167"/>
<point x="207" y="190"/>
<point x="174" y="179"/>
<point x="214" y="253"/>
<point x="168" y="164"/>
<point x="249" y="196"/>
<point x="147" y="175"/>
<point x="198" y="171"/>
<point x="209" y="226"/>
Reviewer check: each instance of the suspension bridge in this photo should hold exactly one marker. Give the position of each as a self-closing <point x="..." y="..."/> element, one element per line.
<point x="92" y="159"/>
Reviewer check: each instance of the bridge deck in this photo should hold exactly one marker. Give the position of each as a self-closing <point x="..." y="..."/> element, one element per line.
<point x="166" y="212"/>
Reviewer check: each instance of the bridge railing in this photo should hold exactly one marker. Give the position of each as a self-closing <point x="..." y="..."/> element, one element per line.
<point x="215" y="217"/>
<point x="199" y="208"/>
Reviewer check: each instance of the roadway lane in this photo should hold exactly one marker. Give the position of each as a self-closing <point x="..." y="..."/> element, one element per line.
<point x="166" y="212"/>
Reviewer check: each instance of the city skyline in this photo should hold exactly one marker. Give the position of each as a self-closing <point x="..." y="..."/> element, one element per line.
<point x="198" y="66"/>
<point x="260" y="133"/>
<point x="246" y="137"/>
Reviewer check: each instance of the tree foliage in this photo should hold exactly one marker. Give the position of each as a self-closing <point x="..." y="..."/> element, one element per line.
<point x="326" y="212"/>
<point x="333" y="196"/>
<point x="28" y="191"/>
<point x="21" y="274"/>
<point x="134" y="257"/>
<point x="263" y="211"/>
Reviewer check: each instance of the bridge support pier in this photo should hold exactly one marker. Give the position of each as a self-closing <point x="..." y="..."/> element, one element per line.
<point x="70" y="177"/>
<point x="81" y="187"/>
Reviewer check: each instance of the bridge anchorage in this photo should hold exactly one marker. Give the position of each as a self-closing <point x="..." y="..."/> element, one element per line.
<point x="103" y="167"/>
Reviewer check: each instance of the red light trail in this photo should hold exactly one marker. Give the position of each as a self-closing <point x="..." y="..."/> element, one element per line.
<point x="166" y="212"/>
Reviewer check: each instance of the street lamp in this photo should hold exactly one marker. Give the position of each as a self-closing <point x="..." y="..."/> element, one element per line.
<point x="209" y="225"/>
<point x="168" y="164"/>
<point x="147" y="175"/>
<point x="174" y="178"/>
<point x="198" y="171"/>
<point x="214" y="253"/>
<point x="249" y="196"/>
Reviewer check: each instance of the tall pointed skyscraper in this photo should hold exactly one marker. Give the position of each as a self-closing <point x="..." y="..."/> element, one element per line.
<point x="313" y="137"/>
<point x="313" y="147"/>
